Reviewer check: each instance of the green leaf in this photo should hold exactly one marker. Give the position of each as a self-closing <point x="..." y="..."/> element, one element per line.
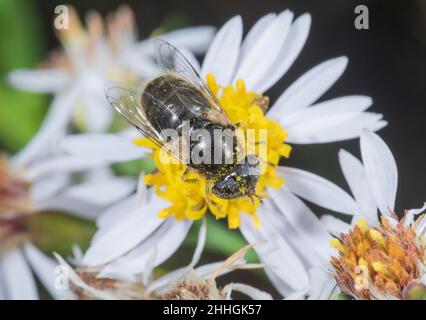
<point x="21" y="47"/>
<point x="134" y="167"/>
<point x="343" y="296"/>
<point x="417" y="292"/>
<point x="58" y="232"/>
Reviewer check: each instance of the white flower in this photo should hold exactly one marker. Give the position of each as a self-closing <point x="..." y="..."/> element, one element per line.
<point x="266" y="53"/>
<point x="33" y="184"/>
<point x="89" y="59"/>
<point x="186" y="283"/>
<point x="387" y="248"/>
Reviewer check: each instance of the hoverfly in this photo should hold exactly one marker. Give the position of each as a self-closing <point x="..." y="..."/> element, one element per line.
<point x="178" y="96"/>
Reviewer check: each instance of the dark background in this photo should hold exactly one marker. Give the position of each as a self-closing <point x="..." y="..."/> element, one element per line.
<point x="387" y="62"/>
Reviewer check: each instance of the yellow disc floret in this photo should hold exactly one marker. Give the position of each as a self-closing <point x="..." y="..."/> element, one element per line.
<point x="380" y="262"/>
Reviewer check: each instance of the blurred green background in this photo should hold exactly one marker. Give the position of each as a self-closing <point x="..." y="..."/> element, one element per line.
<point x="387" y="62"/>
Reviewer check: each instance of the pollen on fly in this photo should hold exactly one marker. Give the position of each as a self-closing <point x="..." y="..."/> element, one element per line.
<point x="179" y="113"/>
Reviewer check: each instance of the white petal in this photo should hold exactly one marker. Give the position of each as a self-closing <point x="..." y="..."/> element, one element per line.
<point x="102" y="192"/>
<point x="104" y="173"/>
<point x="354" y="172"/>
<point x="126" y="234"/>
<point x="257" y="61"/>
<point x="323" y="290"/>
<point x="318" y="190"/>
<point x="250" y="291"/>
<point x="118" y="211"/>
<point x="16" y="276"/>
<point x="336" y="127"/>
<point x="112" y="214"/>
<point x="310" y="86"/>
<point x="202" y="235"/>
<point x="289" y="52"/>
<point x="221" y="58"/>
<point x="52" y="128"/>
<point x="167" y="238"/>
<point x="304" y="221"/>
<point x="46" y="187"/>
<point x="44" y="268"/>
<point x="61" y="164"/>
<point x="98" y="114"/>
<point x="274" y="251"/>
<point x="195" y="39"/>
<point x="299" y="294"/>
<point x="78" y="282"/>
<point x="73" y="206"/>
<point x="77" y="255"/>
<point x="255" y="32"/>
<point x="344" y="105"/>
<point x="131" y="133"/>
<point x="109" y="147"/>
<point x="147" y="273"/>
<point x="381" y="170"/>
<point x="421" y="225"/>
<point x="282" y="287"/>
<point x="295" y="232"/>
<point x="146" y="70"/>
<point x="334" y="225"/>
<point x="190" y="57"/>
<point x="43" y="80"/>
<point x="409" y="216"/>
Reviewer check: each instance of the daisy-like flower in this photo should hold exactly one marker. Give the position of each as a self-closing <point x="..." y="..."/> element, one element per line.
<point x="186" y="283"/>
<point x="105" y="51"/>
<point x="27" y="188"/>
<point x="238" y="72"/>
<point x="377" y="256"/>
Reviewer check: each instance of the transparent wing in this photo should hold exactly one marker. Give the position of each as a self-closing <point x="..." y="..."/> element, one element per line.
<point x="127" y="102"/>
<point x="171" y="60"/>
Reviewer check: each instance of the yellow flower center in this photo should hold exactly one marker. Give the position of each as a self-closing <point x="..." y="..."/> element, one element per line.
<point x="187" y="191"/>
<point x="380" y="262"/>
